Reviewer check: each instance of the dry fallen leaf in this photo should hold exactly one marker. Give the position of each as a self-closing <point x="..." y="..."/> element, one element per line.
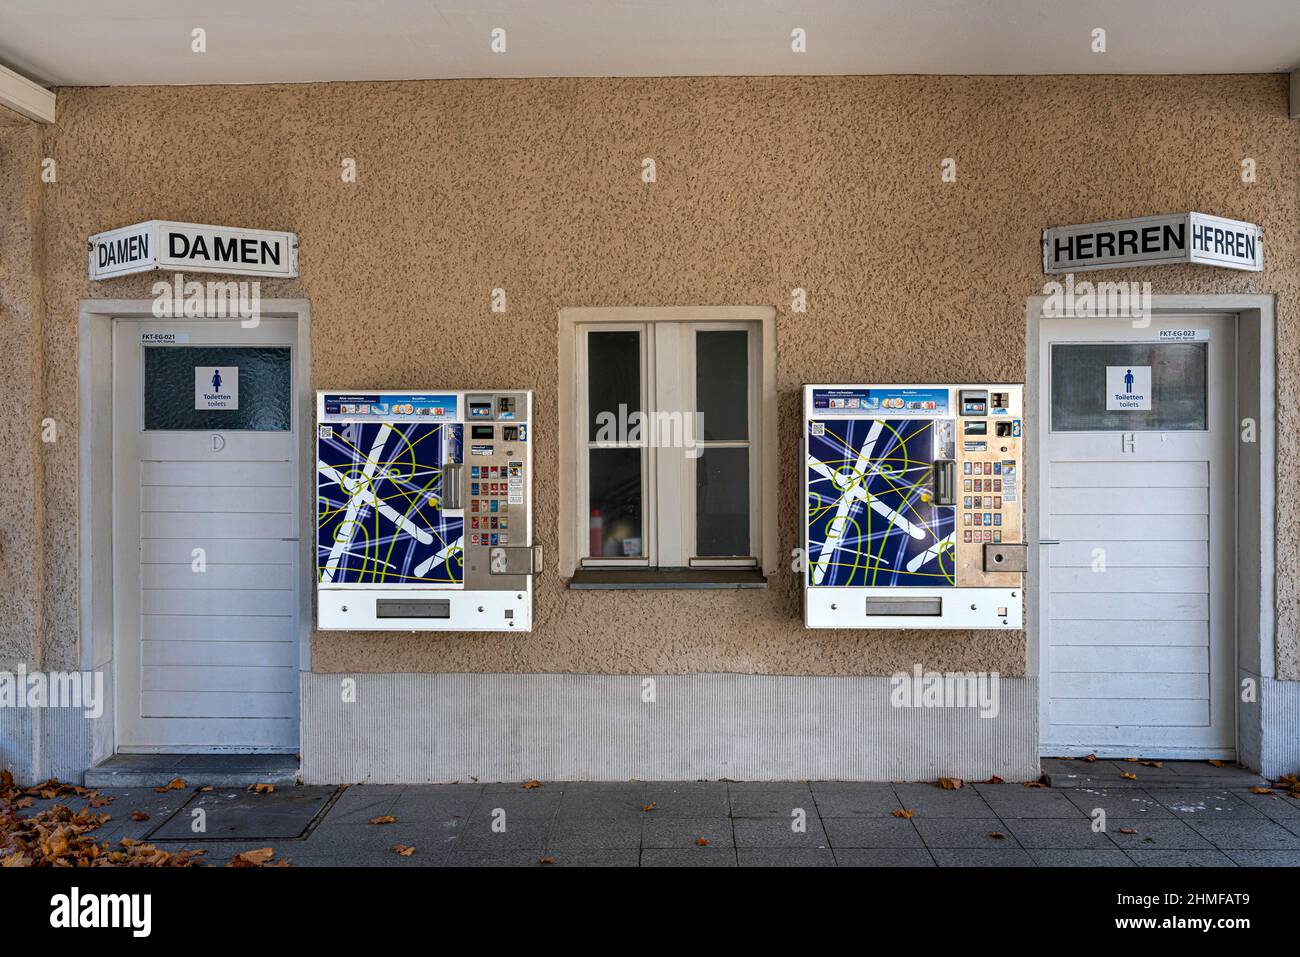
<point x="1261" y="790"/>
<point x="1215" y="763"/>
<point x="175" y="784"/>
<point x="255" y="858"/>
<point x="384" y="819"/>
<point x="1128" y="776"/>
<point x="997" y="835"/>
<point x="702" y="842"/>
<point x="1128" y="830"/>
<point x="950" y="784"/>
<point x="546" y="860"/>
<point x="403" y="850"/>
<point x="651" y="806"/>
<point x="1152" y="764"/>
<point x="529" y="785"/>
<point x="902" y="813"/>
<point x="206" y="788"/>
<point x="139" y="816"/>
<point x="995" y="780"/>
<point x="1033" y="784"/>
<point x="262" y="788"/>
<point x="1090" y="758"/>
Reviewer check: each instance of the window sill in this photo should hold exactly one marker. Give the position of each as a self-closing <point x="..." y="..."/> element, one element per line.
<point x="613" y="579"/>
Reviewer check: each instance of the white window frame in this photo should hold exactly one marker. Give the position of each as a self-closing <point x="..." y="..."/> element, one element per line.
<point x="667" y="337"/>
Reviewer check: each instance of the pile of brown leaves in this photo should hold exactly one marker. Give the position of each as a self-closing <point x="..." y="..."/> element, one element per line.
<point x="56" y="836"/>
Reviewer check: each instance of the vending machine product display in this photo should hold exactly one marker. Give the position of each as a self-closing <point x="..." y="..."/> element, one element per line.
<point x="914" y="506"/>
<point x="424" y="515"/>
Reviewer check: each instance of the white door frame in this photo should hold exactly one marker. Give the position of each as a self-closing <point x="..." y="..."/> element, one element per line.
<point x="1256" y="519"/>
<point x="95" y="451"/>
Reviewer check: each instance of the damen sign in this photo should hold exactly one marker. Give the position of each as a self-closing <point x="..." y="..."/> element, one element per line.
<point x="193" y="247"/>
<point x="1152" y="241"/>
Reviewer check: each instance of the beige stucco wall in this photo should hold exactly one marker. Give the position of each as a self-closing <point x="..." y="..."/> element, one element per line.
<point x="22" y="594"/>
<point x="831" y="184"/>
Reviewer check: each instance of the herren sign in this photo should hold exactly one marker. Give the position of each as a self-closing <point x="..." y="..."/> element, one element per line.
<point x="192" y="247"/>
<point x="1153" y="241"/>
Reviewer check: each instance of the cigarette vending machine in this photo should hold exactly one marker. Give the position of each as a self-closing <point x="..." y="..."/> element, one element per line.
<point x="424" y="511"/>
<point x="914" y="502"/>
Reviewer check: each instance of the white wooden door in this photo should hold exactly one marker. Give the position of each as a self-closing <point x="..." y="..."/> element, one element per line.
<point x="1137" y="492"/>
<point x="205" y="536"/>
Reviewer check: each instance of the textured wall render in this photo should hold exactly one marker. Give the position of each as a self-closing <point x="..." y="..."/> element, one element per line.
<point x="764" y="184"/>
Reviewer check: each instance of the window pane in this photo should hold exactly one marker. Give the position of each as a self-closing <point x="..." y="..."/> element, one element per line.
<point x="722" y="383"/>
<point x="615" y="520"/>
<point x="217" y="388"/>
<point x="613" y="380"/>
<point x="1167" y="380"/>
<point x="722" y="503"/>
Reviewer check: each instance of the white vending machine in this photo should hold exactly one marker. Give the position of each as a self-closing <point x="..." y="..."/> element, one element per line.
<point x="914" y="500"/>
<point x="424" y="511"/>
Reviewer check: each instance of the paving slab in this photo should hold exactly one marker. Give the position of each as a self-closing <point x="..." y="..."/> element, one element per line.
<point x="957" y="832"/>
<point x="878" y="833"/>
<point x="592" y="857"/>
<point x="1013" y="800"/>
<point x="1202" y="858"/>
<point x="1127" y="803"/>
<point x="1155" y="834"/>
<point x="776" y="802"/>
<point x="982" y="857"/>
<point x="1276" y="806"/>
<point x="484" y="832"/>
<point x="929" y="800"/>
<point x="660" y="832"/>
<point x="595" y="834"/>
<point x="839" y="799"/>
<point x="689" y="857"/>
<point x="1043" y="833"/>
<point x="240" y="814"/>
<point x="361" y="802"/>
<point x="1246" y="858"/>
<point x="883" y="857"/>
<point x="1260" y="835"/>
<point x="510" y="857"/>
<point x="776" y="832"/>
<point x="785" y="857"/>
<point x="1217" y="804"/>
<point x="1081" y="857"/>
<point x="704" y="799"/>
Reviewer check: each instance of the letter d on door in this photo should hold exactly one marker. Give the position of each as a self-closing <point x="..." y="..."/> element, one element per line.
<point x="218" y="442"/>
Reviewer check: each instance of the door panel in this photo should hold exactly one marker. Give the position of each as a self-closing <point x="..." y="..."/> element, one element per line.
<point x="206" y="525"/>
<point x="1137" y="598"/>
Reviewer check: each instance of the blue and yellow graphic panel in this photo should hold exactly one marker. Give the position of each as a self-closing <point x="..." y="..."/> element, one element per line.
<point x="871" y="517"/>
<point x="379" y="513"/>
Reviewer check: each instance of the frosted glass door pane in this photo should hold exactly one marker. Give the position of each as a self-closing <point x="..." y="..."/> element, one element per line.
<point x="217" y="388"/>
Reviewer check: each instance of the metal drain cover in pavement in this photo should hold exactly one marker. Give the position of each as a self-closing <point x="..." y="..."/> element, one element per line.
<point x="237" y="814"/>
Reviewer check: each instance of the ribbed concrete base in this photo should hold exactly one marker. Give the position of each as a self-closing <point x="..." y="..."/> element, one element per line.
<point x="408" y="728"/>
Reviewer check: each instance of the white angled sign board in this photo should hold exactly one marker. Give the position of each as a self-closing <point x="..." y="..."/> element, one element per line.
<point x="193" y="247"/>
<point x="1154" y="241"/>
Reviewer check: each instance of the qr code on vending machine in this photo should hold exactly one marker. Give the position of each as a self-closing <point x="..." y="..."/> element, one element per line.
<point x="818" y="428"/>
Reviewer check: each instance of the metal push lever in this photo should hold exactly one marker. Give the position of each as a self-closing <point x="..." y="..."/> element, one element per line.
<point x="943" y="482"/>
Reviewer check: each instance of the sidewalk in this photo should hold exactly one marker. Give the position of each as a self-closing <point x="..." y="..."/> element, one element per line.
<point x="1180" y="814"/>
